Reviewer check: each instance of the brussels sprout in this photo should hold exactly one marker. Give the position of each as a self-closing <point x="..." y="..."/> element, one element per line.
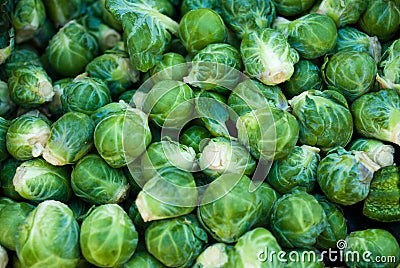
<point x="108" y="236"/>
<point x="193" y="137"/>
<point x="27" y="136"/>
<point x="27" y="17"/>
<point x="171" y="67"/>
<point x="7" y="172"/>
<point x="215" y="68"/>
<point x="345" y="176"/>
<point x="37" y="180"/>
<point x="49" y="237"/>
<point x="312" y="35"/>
<point x="382" y="203"/>
<point x="150" y="40"/>
<point x="201" y="27"/>
<point x="11" y="217"/>
<point x="336" y="229"/>
<point x="121" y="138"/>
<point x="270" y="132"/>
<point x="127" y="97"/>
<point x="115" y="69"/>
<point x="390" y="62"/>
<point x="306" y="76"/>
<point x="188" y="5"/>
<point x="215" y="255"/>
<point x="252" y="249"/>
<point x="100" y="185"/>
<point x="19" y="57"/>
<point x="379" y="152"/>
<point x="169" y="103"/>
<point x="76" y="94"/>
<point x="377" y="115"/>
<point x="297" y="220"/>
<point x="63" y="11"/>
<point x="268" y="57"/>
<point x="4" y="124"/>
<point x="352" y="73"/>
<point x="297" y="171"/>
<point x="221" y="156"/>
<point x="167" y="153"/>
<point x="108" y="110"/>
<point x="247" y="16"/>
<point x="343" y="12"/>
<point x="6" y="104"/>
<point x="71" y="49"/>
<point x="142" y="259"/>
<point x="324" y="118"/>
<point x="30" y="86"/>
<point x="55" y="105"/>
<point x="375" y="242"/>
<point x="292" y="7"/>
<point x="213" y="112"/>
<point x="352" y="39"/>
<point x="176" y="242"/>
<point x="71" y="137"/>
<point x="251" y="95"/>
<point x="381" y="19"/>
<point x="156" y="200"/>
<point x="229" y="208"/>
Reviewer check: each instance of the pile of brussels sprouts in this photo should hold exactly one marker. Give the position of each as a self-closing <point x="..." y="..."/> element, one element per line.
<point x="199" y="133"/>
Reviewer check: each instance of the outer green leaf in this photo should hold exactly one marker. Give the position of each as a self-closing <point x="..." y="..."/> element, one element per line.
<point x="345" y="176"/>
<point x="324" y="118"/>
<point x="297" y="171"/>
<point x="382" y="202"/>
<point x="49" y="237"/>
<point x="381" y="19"/>
<point x="97" y="183"/>
<point x="12" y="216"/>
<point x="297" y="220"/>
<point x="378" y="242"/>
<point x="169" y="194"/>
<point x="146" y="30"/>
<point x="377" y="115"/>
<point x="176" y="242"/>
<point x="30" y="86"/>
<point x="312" y="35"/>
<point x="71" y="137"/>
<point x="76" y="94"/>
<point x="121" y="138"/>
<point x="352" y="73"/>
<point x="108" y="236"/>
<point x="37" y="180"/>
<point x="71" y="49"/>
<point x="247" y="16"/>
<point x="268" y="56"/>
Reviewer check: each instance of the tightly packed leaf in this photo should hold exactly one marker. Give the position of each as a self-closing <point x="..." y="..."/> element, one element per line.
<point x="43" y="241"/>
